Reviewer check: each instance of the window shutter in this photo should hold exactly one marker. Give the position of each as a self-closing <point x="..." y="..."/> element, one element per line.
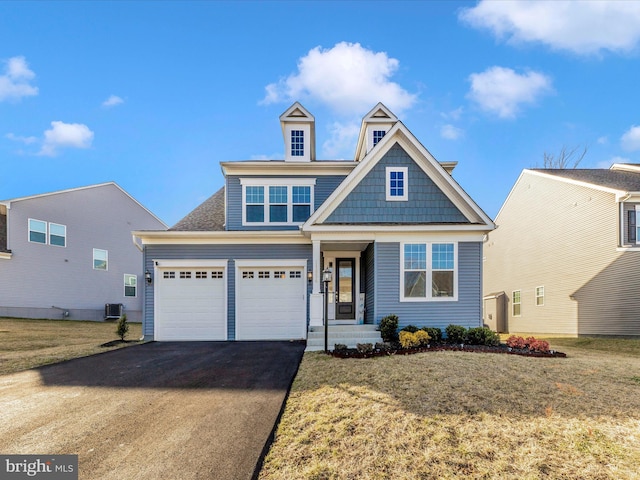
<point x="631" y="225"/>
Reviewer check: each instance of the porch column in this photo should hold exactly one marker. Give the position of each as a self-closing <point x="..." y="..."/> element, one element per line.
<point x="316" y="303"/>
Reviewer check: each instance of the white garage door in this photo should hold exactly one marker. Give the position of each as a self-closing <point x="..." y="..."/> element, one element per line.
<point x="190" y="304"/>
<point x="271" y="303"/>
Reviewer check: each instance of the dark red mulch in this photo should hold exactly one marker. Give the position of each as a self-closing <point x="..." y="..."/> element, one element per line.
<point x="354" y="353"/>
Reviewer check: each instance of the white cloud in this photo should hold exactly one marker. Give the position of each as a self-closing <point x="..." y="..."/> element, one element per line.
<point x="65" y="135"/>
<point x="451" y="132"/>
<point x="21" y="139"/>
<point x="342" y="140"/>
<point x="453" y="114"/>
<point x="604" y="140"/>
<point x="112" y="101"/>
<point x="630" y="140"/>
<point x="14" y="83"/>
<point x="347" y="78"/>
<point x="502" y="91"/>
<point x="582" y="27"/>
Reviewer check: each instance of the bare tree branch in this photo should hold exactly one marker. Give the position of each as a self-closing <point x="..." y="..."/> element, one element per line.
<point x="567" y="158"/>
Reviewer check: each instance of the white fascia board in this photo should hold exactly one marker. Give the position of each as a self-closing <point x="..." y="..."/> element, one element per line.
<point x="189" y="262"/>
<point x="627" y="167"/>
<point x="279" y="181"/>
<point x="280" y="167"/>
<point x="338" y="230"/>
<point x="271" y="263"/>
<point x="628" y="197"/>
<point x="220" y="238"/>
<point x="395" y="236"/>
<point x="422" y="157"/>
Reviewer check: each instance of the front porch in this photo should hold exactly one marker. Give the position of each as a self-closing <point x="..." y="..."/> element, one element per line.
<point x="349" y="335"/>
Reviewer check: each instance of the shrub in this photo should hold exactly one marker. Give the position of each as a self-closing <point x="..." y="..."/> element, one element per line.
<point x="389" y="328"/>
<point x="515" y="341"/>
<point x="339" y="347"/>
<point x="123" y="327"/>
<point x="422" y="337"/>
<point x="456" y="333"/>
<point x="539" y="346"/>
<point x="410" y="328"/>
<point x="482" y="336"/>
<point x="383" y="347"/>
<point x="434" y="333"/>
<point x="364" y="347"/>
<point x="408" y="340"/>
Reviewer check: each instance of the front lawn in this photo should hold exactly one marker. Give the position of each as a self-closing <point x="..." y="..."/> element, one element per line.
<point x="27" y="344"/>
<point x="464" y="415"/>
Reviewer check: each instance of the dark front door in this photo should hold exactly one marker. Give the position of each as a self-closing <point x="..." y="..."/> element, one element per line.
<point x="345" y="284"/>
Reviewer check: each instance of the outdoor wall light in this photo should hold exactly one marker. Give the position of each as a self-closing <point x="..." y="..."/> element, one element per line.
<point x="310" y="276"/>
<point x="147" y="277"/>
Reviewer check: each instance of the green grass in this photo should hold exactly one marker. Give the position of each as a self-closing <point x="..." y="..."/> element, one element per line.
<point x="446" y="415"/>
<point x="27" y="343"/>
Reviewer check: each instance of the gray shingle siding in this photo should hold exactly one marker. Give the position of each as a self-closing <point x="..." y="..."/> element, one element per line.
<point x="211" y="252"/>
<point x="325" y="185"/>
<point x="367" y="202"/>
<point x="466" y="311"/>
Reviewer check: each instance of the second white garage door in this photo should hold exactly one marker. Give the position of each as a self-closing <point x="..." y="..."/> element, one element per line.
<point x="271" y="302"/>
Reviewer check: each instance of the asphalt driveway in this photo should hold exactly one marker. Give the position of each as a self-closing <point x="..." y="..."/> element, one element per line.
<point x="179" y="410"/>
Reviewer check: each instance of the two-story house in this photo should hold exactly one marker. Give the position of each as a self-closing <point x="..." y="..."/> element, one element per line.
<point x="67" y="254"/>
<point x="399" y="234"/>
<point x="565" y="255"/>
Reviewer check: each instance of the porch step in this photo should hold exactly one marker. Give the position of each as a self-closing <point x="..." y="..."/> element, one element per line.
<point x="350" y="335"/>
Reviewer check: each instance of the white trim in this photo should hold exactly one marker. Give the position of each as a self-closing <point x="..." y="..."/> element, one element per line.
<point x="280" y="167"/>
<point x="93" y="259"/>
<point x="429" y="271"/>
<point x="49" y="235"/>
<point x="538" y="296"/>
<point x="271" y="263"/>
<point x="513" y="304"/>
<point x="189" y="263"/>
<point x="5" y="255"/>
<point x="266" y="184"/>
<point x="124" y="276"/>
<point x="637" y="225"/>
<point x="29" y="230"/>
<point x="405" y="175"/>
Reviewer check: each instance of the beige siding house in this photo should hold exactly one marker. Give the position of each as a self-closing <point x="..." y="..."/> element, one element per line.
<point x="565" y="256"/>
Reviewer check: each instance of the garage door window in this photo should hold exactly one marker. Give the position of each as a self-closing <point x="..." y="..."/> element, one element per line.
<point x="169" y="275"/>
<point x="296" y="274"/>
<point x="216" y="274"/>
<point x="264" y="274"/>
<point x="279" y="274"/>
<point x="185" y="274"/>
<point x="247" y="274"/>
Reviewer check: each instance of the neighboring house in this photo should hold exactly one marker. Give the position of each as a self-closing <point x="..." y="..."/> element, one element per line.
<point x="66" y="254"/>
<point x="400" y="235"/>
<point x="565" y="255"/>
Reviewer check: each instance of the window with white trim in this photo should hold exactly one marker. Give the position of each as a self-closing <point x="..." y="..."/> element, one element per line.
<point x="516" y="302"/>
<point x="47" y="233"/>
<point x="377" y="136"/>
<point x="429" y="272"/>
<point x="100" y="259"/>
<point x="277" y="201"/>
<point x="539" y="296"/>
<point x="637" y="224"/>
<point x="297" y="143"/>
<point x="397" y="187"/>
<point x="130" y="285"/>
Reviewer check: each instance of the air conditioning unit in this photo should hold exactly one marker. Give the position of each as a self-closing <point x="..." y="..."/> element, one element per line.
<point x="113" y="310"/>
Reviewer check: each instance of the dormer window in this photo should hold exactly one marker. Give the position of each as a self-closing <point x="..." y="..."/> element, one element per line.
<point x="297" y="143"/>
<point x="377" y="136"/>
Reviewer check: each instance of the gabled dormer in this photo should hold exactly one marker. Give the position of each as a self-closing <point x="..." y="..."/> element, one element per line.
<point x="375" y="125"/>
<point x="299" y="131"/>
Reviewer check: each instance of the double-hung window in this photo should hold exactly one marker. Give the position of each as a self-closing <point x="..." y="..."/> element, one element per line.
<point x="130" y="285"/>
<point x="397" y="188"/>
<point x="282" y="201"/>
<point x="516" y="302"/>
<point x="100" y="259"/>
<point x="429" y="271"/>
<point x="47" y="233"/>
<point x="297" y="143"/>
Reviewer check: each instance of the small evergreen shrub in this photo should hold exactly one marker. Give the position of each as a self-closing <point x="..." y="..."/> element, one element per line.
<point x="422" y="337"/>
<point x="408" y="340"/>
<point x="364" y="347"/>
<point x="482" y="336"/>
<point x="435" y="333"/>
<point x="456" y="333"/>
<point x="383" y="347"/>
<point x="339" y="347"/>
<point x="122" y="327"/>
<point x="410" y="328"/>
<point x="389" y="328"/>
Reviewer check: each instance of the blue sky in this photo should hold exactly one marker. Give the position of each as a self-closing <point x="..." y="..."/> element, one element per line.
<point x="153" y="95"/>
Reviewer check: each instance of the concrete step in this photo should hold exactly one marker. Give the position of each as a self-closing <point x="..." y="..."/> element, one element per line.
<point x="349" y="335"/>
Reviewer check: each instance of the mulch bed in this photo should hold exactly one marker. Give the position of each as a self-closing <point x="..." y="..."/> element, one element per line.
<point x="354" y="353"/>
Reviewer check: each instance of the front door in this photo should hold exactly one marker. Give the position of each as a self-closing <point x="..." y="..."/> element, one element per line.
<point x="345" y="285"/>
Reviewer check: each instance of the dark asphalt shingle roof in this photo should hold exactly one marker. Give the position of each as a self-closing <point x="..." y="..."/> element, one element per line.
<point x="208" y="216"/>
<point x="626" y="181"/>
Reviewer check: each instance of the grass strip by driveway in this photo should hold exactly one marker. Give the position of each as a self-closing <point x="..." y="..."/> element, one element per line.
<point x="28" y="344"/>
<point x="465" y="415"/>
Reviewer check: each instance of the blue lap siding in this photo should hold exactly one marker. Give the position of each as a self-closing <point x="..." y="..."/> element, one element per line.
<point x="466" y="311"/>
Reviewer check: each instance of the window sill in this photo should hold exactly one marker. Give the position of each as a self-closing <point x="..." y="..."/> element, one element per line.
<point x="5" y="255"/>
<point x="428" y="300"/>
<point x="630" y="248"/>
